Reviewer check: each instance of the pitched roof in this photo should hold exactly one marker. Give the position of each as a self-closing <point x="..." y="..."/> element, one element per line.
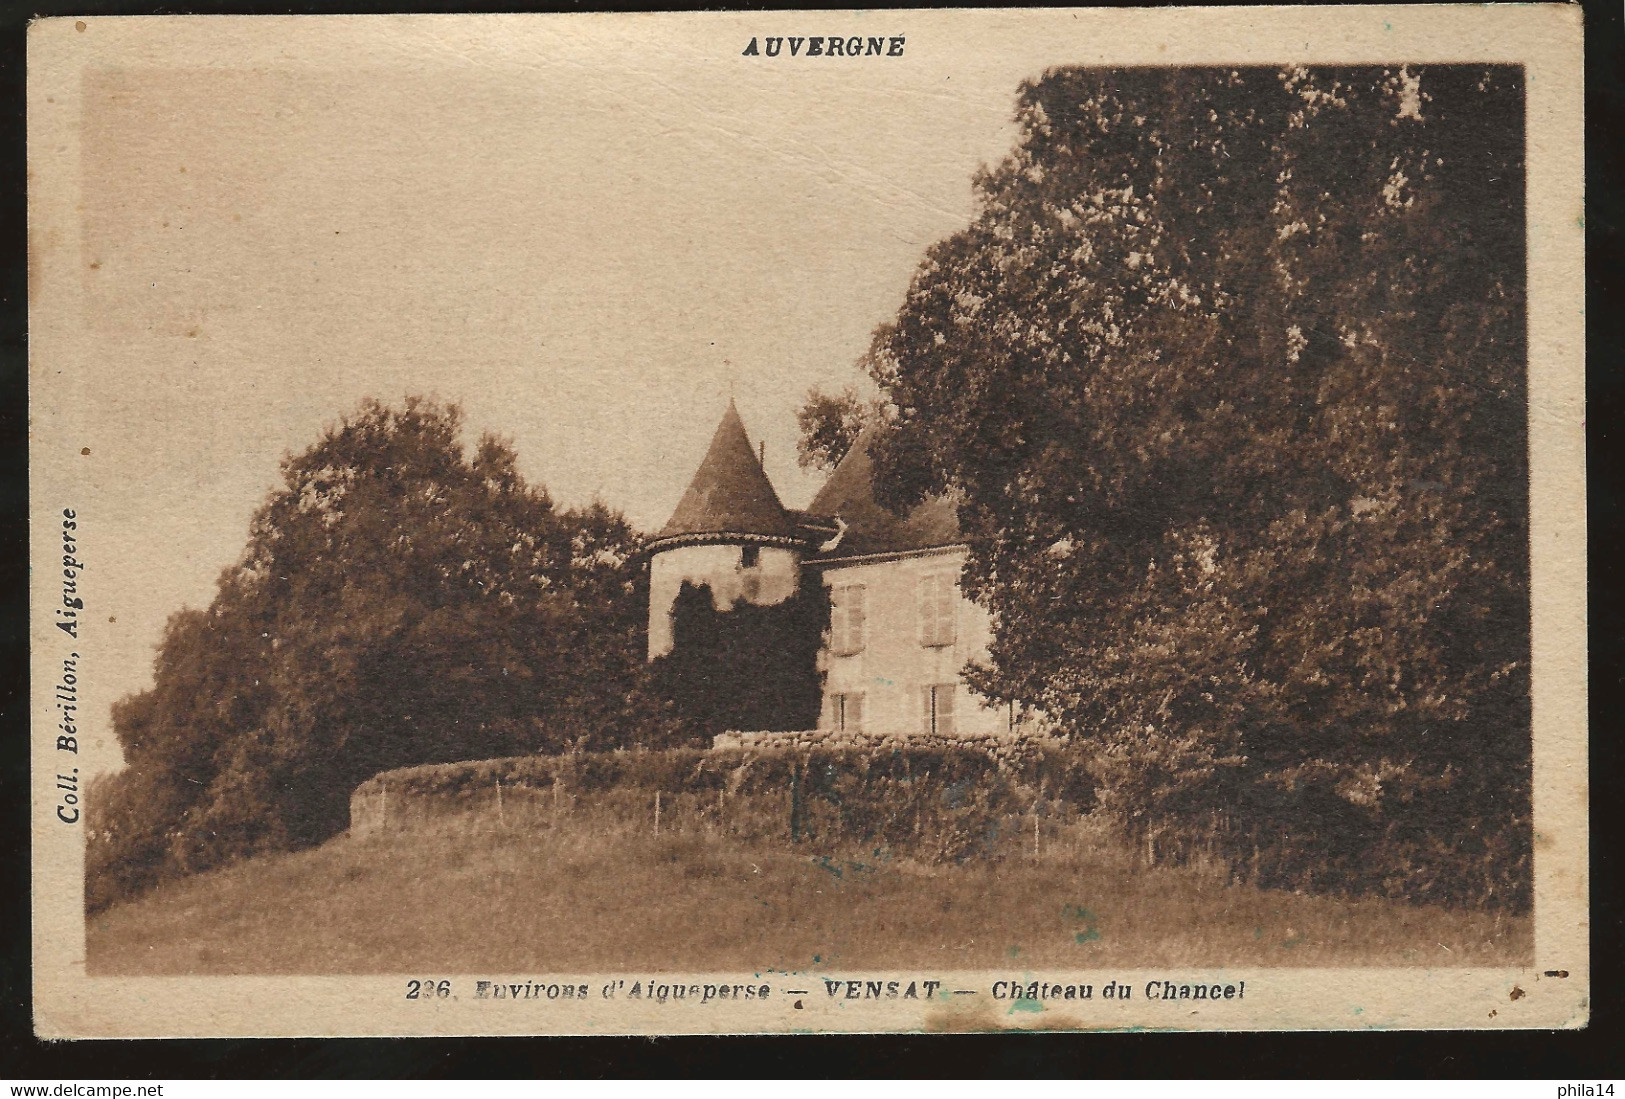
<point x="730" y="494"/>
<point x="871" y="528"/>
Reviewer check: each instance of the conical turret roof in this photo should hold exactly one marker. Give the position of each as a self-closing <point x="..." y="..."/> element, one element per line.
<point x="868" y="527"/>
<point x="730" y="494"/>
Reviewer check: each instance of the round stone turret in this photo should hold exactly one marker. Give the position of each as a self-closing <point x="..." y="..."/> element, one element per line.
<point x="729" y="533"/>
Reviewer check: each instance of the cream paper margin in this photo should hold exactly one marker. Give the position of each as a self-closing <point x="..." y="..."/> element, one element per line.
<point x="1544" y="38"/>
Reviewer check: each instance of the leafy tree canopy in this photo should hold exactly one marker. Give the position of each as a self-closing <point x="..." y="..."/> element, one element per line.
<point x="400" y="601"/>
<point x="829" y="426"/>
<point x="1228" y="374"/>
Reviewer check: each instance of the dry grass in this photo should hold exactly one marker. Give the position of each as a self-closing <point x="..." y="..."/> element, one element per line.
<point x="583" y="893"/>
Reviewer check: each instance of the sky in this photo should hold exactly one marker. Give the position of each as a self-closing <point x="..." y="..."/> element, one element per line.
<point x="589" y="238"/>
<point x="587" y="230"/>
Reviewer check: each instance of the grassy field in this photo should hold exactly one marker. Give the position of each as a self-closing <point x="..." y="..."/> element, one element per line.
<point x="469" y="895"/>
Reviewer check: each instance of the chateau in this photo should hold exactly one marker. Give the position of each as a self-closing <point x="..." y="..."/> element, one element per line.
<point x="900" y="630"/>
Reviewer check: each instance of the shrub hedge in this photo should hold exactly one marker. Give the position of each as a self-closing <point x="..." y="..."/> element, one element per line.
<point x="935" y="800"/>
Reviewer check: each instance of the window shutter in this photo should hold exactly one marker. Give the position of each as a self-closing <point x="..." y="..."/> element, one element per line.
<point x="937" y="602"/>
<point x="927" y="717"/>
<point x="945" y="709"/>
<point x="854" y="713"/>
<point x="846" y="619"/>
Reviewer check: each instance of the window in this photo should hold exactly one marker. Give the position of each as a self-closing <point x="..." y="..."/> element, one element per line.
<point x="846" y="713"/>
<point x="938" y="595"/>
<point x="750" y="556"/>
<point x="938" y="712"/>
<point x="846" y="619"/>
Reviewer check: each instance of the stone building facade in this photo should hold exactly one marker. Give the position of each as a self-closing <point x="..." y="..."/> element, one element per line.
<point x="900" y="629"/>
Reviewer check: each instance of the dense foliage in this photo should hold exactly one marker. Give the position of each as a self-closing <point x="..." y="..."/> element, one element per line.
<point x="829" y="424"/>
<point x="399" y="602"/>
<point x="1228" y="375"/>
<point x="744" y="667"/>
<point x="931" y="800"/>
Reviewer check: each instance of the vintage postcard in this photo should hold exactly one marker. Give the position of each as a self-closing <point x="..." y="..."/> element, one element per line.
<point x="808" y="522"/>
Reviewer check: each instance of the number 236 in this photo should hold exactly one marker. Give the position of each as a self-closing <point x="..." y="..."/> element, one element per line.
<point x="428" y="990"/>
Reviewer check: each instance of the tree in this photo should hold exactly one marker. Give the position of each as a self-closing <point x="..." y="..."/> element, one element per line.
<point x="1228" y="375"/>
<point x="829" y="425"/>
<point x="399" y="602"/>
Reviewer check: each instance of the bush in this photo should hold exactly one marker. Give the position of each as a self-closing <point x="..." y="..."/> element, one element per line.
<point x="126" y="840"/>
<point x="935" y="801"/>
<point x="744" y="667"/>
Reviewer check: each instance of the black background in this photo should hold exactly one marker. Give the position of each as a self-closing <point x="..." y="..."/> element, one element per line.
<point x="1591" y="1054"/>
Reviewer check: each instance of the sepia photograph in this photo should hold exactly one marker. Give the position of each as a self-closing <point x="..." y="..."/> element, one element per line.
<point x="808" y="522"/>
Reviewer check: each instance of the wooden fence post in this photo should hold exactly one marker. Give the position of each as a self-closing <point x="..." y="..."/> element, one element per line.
<point x="795" y="802"/>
